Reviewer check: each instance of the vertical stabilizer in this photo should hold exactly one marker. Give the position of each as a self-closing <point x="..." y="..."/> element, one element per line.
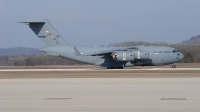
<point x="46" y="32"/>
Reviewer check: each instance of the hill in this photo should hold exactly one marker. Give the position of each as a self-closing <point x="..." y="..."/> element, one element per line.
<point x="193" y="40"/>
<point x="18" y="51"/>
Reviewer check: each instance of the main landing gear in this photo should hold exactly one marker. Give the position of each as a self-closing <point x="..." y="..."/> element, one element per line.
<point x="115" y="67"/>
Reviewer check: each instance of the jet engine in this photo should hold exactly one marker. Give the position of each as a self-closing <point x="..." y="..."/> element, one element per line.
<point x="129" y="55"/>
<point x="123" y="56"/>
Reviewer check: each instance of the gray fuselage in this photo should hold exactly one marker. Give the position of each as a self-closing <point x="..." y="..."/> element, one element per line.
<point x="157" y="55"/>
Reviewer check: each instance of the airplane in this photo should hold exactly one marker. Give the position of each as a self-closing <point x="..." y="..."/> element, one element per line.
<point x="110" y="57"/>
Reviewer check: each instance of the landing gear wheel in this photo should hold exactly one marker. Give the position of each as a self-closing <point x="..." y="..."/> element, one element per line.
<point x="173" y="66"/>
<point x="110" y="67"/>
<point x="115" y="67"/>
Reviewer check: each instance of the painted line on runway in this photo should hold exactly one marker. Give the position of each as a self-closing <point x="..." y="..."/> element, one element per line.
<point x="58" y="98"/>
<point x="173" y="99"/>
<point x="39" y="70"/>
<point x="175" y="69"/>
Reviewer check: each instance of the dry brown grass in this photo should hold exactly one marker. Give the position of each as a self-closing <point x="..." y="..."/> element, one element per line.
<point x="102" y="74"/>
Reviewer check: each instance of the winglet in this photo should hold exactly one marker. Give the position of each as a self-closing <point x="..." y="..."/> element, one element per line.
<point x="77" y="51"/>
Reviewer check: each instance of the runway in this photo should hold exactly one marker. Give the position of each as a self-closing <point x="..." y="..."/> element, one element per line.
<point x="100" y="94"/>
<point x="98" y="89"/>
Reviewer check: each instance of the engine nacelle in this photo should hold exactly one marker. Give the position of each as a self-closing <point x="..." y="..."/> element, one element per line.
<point x="123" y="56"/>
<point x="129" y="56"/>
<point x="141" y="55"/>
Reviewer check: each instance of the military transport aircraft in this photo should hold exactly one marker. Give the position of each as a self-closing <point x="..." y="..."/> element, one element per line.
<point x="110" y="57"/>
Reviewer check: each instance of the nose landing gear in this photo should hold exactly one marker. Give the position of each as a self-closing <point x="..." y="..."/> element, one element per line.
<point x="173" y="66"/>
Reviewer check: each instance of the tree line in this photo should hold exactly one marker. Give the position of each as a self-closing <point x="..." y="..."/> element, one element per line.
<point x="32" y="60"/>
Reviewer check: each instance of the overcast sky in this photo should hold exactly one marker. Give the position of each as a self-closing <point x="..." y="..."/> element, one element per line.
<point x="97" y="22"/>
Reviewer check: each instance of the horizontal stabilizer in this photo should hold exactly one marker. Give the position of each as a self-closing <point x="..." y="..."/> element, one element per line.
<point x="34" y="21"/>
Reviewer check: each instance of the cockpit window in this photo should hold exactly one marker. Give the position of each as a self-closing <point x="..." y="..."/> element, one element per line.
<point x="175" y="50"/>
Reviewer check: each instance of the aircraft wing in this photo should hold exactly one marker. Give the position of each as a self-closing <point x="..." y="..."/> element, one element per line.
<point x="105" y="52"/>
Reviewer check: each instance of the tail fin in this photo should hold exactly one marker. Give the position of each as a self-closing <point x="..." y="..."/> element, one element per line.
<point x="46" y="32"/>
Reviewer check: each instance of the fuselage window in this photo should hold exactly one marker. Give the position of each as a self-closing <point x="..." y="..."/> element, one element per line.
<point x="175" y="50"/>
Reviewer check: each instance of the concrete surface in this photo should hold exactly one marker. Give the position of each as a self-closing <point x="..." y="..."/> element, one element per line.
<point x="100" y="94"/>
